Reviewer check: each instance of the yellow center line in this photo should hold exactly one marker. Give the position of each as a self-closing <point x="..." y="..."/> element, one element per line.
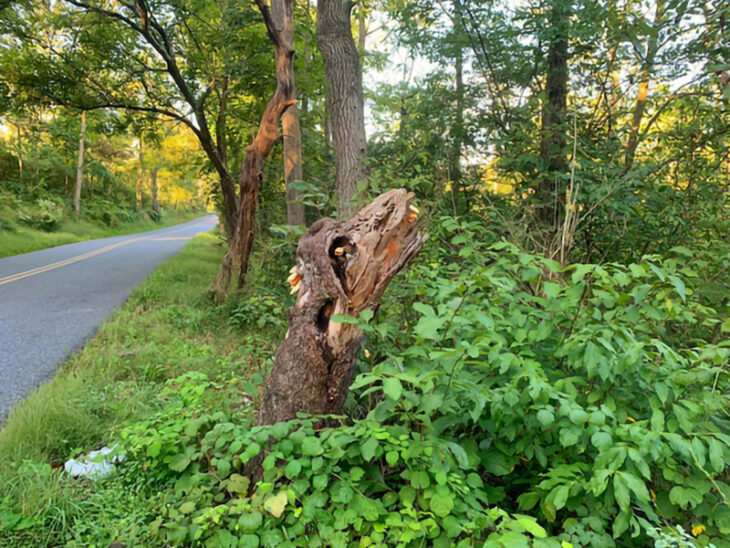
<point x="65" y="262"/>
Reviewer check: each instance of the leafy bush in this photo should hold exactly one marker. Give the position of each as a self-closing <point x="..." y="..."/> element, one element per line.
<point x="108" y="213"/>
<point x="45" y="216"/>
<point x="156" y="216"/>
<point x="587" y="396"/>
<point x="384" y="485"/>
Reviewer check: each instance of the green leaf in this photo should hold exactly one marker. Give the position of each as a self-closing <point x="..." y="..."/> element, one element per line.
<point x="187" y="507"/>
<point x="716" y="458"/>
<point x="238" y="484"/>
<point x="425" y="309"/>
<point x="725" y="327"/>
<point x="578" y="417"/>
<point x="392" y="388"/>
<point x="311" y="446"/>
<point x="427" y="327"/>
<point x="679" y="287"/>
<point x="559" y="496"/>
<point x="621" y="492"/>
<point x="368" y="449"/>
<point x="636" y="485"/>
<point x="154" y="449"/>
<point x="292" y="469"/>
<point x="276" y="504"/>
<point x="419" y="479"/>
<point x="531" y="526"/>
<point x="684" y="497"/>
<point x="569" y="436"/>
<point x="621" y="523"/>
<point x="545" y="417"/>
<point x="251" y="522"/>
<point x="442" y="505"/>
<point x="179" y="462"/>
<point x="551" y="289"/>
<point x="657" y="420"/>
<point x="601" y="440"/>
<point x="248" y="541"/>
<point x="250" y="452"/>
<point x="391" y="457"/>
<point x="473" y="480"/>
<point x="343" y="318"/>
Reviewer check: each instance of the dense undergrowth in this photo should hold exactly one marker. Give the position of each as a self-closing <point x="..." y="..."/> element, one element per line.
<point x="501" y="401"/>
<point x="47" y="222"/>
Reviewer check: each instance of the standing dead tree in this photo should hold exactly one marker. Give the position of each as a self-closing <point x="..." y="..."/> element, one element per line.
<point x="256" y="153"/>
<point x="342" y="267"/>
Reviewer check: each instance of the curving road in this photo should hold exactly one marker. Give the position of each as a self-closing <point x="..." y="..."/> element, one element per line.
<point x="52" y="301"/>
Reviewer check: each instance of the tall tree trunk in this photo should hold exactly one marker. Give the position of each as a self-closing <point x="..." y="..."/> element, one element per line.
<point x="550" y="192"/>
<point x="644" y="79"/>
<point x="80" y="166"/>
<point x="344" y="99"/>
<point x="140" y="179"/>
<point x="227" y="182"/>
<point x="19" y="147"/>
<point x="342" y="267"/>
<point x="291" y="131"/>
<point x="256" y="153"/>
<point x="458" y="128"/>
<point x="154" y="190"/>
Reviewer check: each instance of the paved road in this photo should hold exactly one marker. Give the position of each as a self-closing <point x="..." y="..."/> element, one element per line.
<point x="52" y="301"/>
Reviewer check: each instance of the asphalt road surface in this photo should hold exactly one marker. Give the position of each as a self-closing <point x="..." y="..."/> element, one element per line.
<point x="52" y="301"/>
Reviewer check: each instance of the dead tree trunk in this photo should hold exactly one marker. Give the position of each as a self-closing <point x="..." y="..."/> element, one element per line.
<point x="256" y="153"/>
<point x="342" y="267"/>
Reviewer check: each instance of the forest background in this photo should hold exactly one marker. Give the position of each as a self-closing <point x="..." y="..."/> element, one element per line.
<point x="551" y="370"/>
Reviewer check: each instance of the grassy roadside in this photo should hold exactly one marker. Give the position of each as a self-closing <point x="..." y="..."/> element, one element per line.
<point x="167" y="328"/>
<point x="16" y="238"/>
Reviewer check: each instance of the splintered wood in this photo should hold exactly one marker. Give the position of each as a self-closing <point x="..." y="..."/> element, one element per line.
<point x="341" y="268"/>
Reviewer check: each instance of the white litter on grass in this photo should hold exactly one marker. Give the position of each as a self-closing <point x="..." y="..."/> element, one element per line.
<point x="93" y="465"/>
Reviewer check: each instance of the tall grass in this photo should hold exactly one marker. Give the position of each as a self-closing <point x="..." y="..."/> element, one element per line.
<point x="168" y="327"/>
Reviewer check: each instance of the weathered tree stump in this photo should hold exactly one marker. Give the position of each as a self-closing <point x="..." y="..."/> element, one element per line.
<point x="342" y="267"/>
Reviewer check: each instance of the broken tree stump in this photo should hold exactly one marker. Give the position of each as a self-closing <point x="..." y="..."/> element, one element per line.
<point x="342" y="267"/>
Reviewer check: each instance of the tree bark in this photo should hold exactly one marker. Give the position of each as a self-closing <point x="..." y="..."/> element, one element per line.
<point x="344" y="99"/>
<point x="80" y="166"/>
<point x="154" y="190"/>
<point x="458" y="128"/>
<point x="342" y="267"/>
<point x="550" y="192"/>
<point x="291" y="130"/>
<point x="256" y="153"/>
<point x="19" y="147"/>
<point x="140" y="179"/>
<point x="293" y="166"/>
<point x="644" y="77"/>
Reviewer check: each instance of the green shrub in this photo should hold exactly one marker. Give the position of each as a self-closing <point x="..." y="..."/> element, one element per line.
<point x="381" y="484"/>
<point x="521" y="405"/>
<point x="590" y="396"/>
<point x="108" y="213"/>
<point x="45" y="216"/>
